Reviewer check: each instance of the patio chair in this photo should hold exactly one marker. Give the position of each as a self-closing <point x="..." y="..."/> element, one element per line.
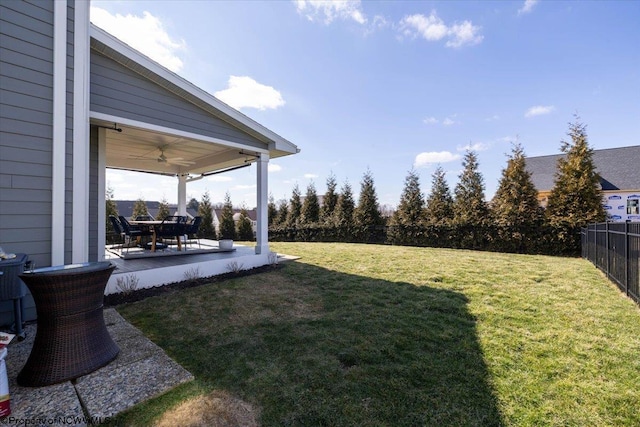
<point x="169" y="230"/>
<point x="144" y="218"/>
<point x="117" y="228"/>
<point x="192" y="230"/>
<point x="177" y="219"/>
<point x="132" y="232"/>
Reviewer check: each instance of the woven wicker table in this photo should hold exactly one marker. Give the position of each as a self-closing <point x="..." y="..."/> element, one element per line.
<point x="72" y="339"/>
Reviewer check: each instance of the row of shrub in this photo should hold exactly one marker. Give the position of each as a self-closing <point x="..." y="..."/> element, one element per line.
<point x="545" y="239"/>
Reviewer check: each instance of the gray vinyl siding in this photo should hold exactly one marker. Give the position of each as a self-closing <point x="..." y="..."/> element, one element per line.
<point x="26" y="76"/>
<point x="26" y="115"/>
<point x="121" y="92"/>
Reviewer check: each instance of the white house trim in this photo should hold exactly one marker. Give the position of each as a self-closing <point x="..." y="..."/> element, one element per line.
<point x="59" y="132"/>
<point x="80" y="210"/>
<point x="170" y="131"/>
<point x="102" y="191"/>
<point x="262" y="194"/>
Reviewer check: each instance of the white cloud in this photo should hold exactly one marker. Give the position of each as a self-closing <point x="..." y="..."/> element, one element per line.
<point x="492" y="118"/>
<point x="219" y="178"/>
<point x="462" y="34"/>
<point x="433" y="157"/>
<point x="508" y="138"/>
<point x="433" y="28"/>
<point x="527" y="6"/>
<point x="310" y="175"/>
<point x="244" y="187"/>
<point x="274" y="168"/>
<point x="244" y="91"/>
<point x="448" y="121"/>
<point x="539" y="110"/>
<point x="145" y="33"/>
<point x="430" y="120"/>
<point x="329" y="10"/>
<point x="478" y="146"/>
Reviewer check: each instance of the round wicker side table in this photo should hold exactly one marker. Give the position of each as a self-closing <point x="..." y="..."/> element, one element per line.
<point x="72" y="339"/>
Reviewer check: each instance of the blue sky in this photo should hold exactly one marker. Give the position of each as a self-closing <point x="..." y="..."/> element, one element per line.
<point x="391" y="85"/>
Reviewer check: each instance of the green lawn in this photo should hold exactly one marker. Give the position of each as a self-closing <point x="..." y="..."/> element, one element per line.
<point x="383" y="335"/>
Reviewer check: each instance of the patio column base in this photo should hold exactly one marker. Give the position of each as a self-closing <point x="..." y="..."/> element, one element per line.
<point x="262" y="249"/>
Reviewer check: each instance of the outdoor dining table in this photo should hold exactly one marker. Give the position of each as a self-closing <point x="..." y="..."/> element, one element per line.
<point x="152" y="226"/>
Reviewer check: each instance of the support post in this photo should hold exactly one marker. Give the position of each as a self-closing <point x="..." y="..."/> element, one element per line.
<point x="182" y="194"/>
<point x="262" y="196"/>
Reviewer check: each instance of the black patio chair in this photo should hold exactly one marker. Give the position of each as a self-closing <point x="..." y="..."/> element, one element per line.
<point x="117" y="228"/>
<point x="177" y="219"/>
<point x="169" y="230"/>
<point x="133" y="232"/>
<point x="192" y="230"/>
<point x="144" y="218"/>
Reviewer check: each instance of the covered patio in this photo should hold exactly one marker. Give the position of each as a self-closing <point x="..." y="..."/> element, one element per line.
<point x="144" y="118"/>
<point x="149" y="272"/>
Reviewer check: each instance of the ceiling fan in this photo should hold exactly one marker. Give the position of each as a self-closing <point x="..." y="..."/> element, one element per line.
<point x="179" y="161"/>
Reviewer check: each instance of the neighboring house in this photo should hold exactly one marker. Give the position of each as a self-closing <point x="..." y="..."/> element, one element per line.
<point x="75" y="100"/>
<point x="619" y="178"/>
<point x="125" y="208"/>
<point x="252" y="214"/>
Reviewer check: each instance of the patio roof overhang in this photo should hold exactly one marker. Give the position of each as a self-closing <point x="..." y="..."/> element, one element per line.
<point x="169" y="152"/>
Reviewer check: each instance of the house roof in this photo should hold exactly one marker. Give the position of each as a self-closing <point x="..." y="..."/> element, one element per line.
<point x="618" y="168"/>
<point x="118" y="51"/>
<point x="251" y="213"/>
<point x="125" y="208"/>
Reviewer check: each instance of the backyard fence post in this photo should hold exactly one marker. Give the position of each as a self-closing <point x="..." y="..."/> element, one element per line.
<point x="626" y="258"/>
<point x="608" y="248"/>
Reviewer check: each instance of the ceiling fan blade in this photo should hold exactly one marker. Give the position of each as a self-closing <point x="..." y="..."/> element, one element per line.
<point x="180" y="163"/>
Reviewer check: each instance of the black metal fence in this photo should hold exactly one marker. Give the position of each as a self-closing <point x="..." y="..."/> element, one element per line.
<point x="615" y="249"/>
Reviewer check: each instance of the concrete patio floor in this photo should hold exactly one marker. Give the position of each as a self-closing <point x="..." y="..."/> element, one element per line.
<point x="141" y="371"/>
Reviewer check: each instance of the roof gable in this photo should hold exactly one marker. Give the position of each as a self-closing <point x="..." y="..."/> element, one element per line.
<point x="111" y="47"/>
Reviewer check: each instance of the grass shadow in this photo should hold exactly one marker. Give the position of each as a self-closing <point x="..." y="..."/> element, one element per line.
<point x="312" y="346"/>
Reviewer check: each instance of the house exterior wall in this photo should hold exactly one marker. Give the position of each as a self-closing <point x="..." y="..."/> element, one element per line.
<point x="622" y="205"/>
<point x="119" y="91"/>
<point x="27" y="116"/>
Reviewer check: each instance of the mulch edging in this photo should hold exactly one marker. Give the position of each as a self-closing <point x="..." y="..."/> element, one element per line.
<point x="141" y="294"/>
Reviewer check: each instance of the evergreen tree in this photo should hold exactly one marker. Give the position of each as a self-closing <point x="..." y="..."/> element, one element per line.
<point x="272" y="212"/>
<point x="469" y="206"/>
<point x="439" y="208"/>
<point x="244" y="227"/>
<point x="140" y="208"/>
<point x="576" y="197"/>
<point x="227" y="224"/>
<point x="310" y="208"/>
<point x="205" y="210"/>
<point x="411" y="208"/>
<point x="330" y="201"/>
<point x="515" y="203"/>
<point x="295" y="208"/>
<point x="163" y="210"/>
<point x="345" y="206"/>
<point x="283" y="212"/>
<point x="193" y="204"/>
<point x="367" y="212"/>
<point x="110" y="205"/>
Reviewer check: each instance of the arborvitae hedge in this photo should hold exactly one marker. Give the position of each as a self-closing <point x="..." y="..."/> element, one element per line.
<point x="545" y="239"/>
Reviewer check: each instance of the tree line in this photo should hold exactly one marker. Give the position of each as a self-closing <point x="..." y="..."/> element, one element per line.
<point x="228" y="228"/>
<point x="513" y="221"/>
